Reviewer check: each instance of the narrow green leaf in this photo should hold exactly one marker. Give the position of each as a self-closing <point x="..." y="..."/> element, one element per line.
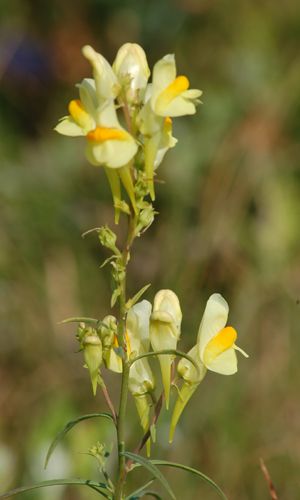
<point x="97" y="229"/>
<point x="69" y="426"/>
<point x="151" y="468"/>
<point x="193" y="471"/>
<point x="137" y="296"/>
<point x="164" y="352"/>
<point x="60" y="482"/>
<point x="80" y="319"/>
<point x="140" y="491"/>
<point x="108" y="260"/>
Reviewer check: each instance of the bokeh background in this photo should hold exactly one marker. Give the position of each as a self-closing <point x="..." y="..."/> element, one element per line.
<point x="229" y="222"/>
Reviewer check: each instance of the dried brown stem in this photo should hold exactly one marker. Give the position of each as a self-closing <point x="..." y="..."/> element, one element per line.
<point x="268" y="479"/>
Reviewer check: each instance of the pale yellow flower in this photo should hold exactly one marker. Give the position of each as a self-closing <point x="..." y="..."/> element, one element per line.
<point x="108" y="144"/>
<point x="165" y="324"/>
<point x="158" y="138"/>
<point x="170" y="94"/>
<point x="132" y="70"/>
<point x="215" y="350"/>
<point x="141" y="380"/>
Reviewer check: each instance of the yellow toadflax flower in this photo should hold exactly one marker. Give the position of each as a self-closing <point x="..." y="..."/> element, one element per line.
<point x="94" y="116"/>
<point x="108" y="144"/>
<point x="171" y="95"/>
<point x="158" y="138"/>
<point x="141" y="380"/>
<point x="132" y="70"/>
<point x="165" y="323"/>
<point x="215" y="350"/>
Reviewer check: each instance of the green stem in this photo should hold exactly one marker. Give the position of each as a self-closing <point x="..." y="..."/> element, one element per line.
<point x="121" y="419"/>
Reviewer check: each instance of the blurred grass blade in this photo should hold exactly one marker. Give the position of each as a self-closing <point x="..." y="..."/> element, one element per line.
<point x="69" y="426"/>
<point x="193" y="471"/>
<point x="140" y="491"/>
<point x="150" y="466"/>
<point x="152" y="494"/>
<point x="60" y="482"/>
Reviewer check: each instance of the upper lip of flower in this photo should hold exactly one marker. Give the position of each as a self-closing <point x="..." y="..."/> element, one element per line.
<point x="170" y="94"/>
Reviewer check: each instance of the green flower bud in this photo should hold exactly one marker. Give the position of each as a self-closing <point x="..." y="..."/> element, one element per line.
<point x="108" y="238"/>
<point x="93" y="357"/>
<point x="146" y="218"/>
<point x="108" y="331"/>
<point x="81" y="330"/>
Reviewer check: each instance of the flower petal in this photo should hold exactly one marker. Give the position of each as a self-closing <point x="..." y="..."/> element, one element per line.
<point x="164" y="71"/>
<point x="179" y="106"/>
<point x="80" y="115"/>
<point x="166" y="301"/>
<point x="221" y="342"/>
<point x="137" y="326"/>
<point x="111" y="153"/>
<point x="225" y="363"/>
<point x="107" y="85"/>
<point x="67" y="126"/>
<point x="213" y="320"/>
<point x="88" y="97"/>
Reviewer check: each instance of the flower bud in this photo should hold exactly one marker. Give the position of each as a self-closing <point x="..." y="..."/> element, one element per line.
<point x="93" y="357"/>
<point x="146" y="217"/>
<point x="107" y="238"/>
<point x="81" y="330"/>
<point x="107" y="331"/>
<point x="132" y="70"/>
<point x="165" y="331"/>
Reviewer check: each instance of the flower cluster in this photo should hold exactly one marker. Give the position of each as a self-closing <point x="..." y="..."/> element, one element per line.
<point x="157" y="328"/>
<point x="130" y="147"/>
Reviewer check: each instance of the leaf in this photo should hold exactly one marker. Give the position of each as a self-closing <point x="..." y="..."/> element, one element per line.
<point x="193" y="471"/>
<point x="60" y="482"/>
<point x="109" y="259"/>
<point x="140" y="491"/>
<point x="68" y="427"/>
<point x="80" y="319"/>
<point x="164" y="352"/>
<point x="151" y="468"/>
<point x="137" y="296"/>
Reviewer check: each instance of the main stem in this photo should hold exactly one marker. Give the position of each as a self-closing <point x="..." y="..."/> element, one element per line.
<point x="126" y="367"/>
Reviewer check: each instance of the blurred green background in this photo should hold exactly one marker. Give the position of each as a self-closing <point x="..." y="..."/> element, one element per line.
<point x="229" y="222"/>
